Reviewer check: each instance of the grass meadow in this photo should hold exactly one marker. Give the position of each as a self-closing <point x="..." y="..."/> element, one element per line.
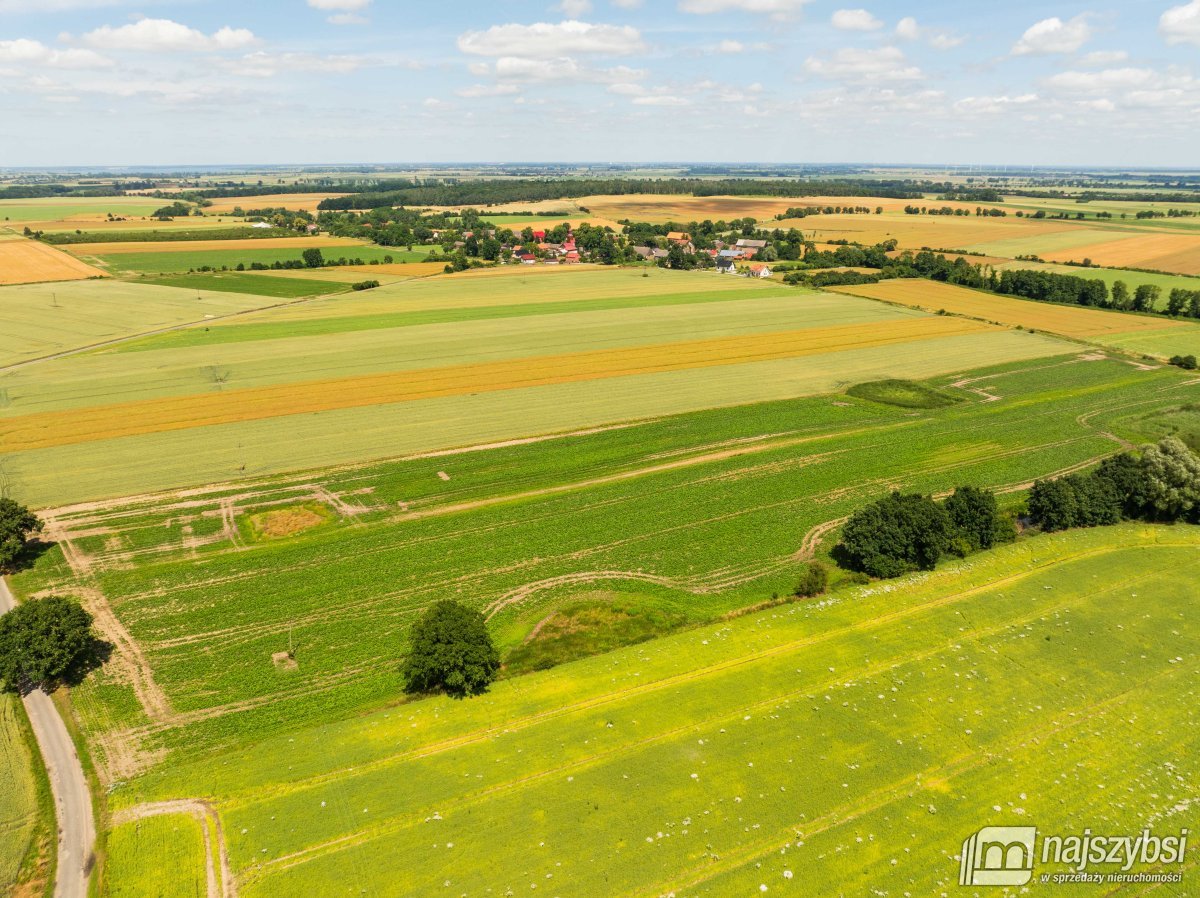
<point x="238" y="252"/>
<point x="26" y="814"/>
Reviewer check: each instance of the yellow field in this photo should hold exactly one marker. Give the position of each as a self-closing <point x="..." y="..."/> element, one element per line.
<point x="1178" y="253"/>
<point x="30" y="262"/>
<point x="1069" y="321"/>
<point x="43" y="430"/>
<point x="304" y="202"/>
<point x="184" y="246"/>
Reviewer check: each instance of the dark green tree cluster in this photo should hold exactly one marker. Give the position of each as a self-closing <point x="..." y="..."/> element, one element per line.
<point x="451" y="650"/>
<point x="18" y="525"/>
<point x="42" y="641"/>
<point x="813" y="582"/>
<point x="902" y="533"/>
<point x="1186" y="362"/>
<point x="1162" y="485"/>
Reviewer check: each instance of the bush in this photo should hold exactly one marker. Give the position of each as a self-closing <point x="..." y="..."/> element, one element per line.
<point x="814" y="581"/>
<point x="41" y="641"/>
<point x="1186" y="362"/>
<point x="451" y="650"/>
<point x="365" y="285"/>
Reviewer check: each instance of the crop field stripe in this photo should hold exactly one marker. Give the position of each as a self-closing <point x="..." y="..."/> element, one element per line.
<point x="28" y="261"/>
<point x="175" y="246"/>
<point x="179" y="413"/>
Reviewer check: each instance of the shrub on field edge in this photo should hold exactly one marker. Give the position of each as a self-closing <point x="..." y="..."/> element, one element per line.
<point x="814" y="581"/>
<point x="451" y="650"/>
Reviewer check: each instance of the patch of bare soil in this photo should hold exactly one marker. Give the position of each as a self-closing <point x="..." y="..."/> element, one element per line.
<point x="281" y="522"/>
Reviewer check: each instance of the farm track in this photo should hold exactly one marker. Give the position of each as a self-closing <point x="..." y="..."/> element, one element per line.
<point x="222" y="886"/>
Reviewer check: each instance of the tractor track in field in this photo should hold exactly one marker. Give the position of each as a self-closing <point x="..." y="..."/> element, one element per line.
<point x="399" y="824"/>
<point x="691" y="676"/>
<point x="218" y="871"/>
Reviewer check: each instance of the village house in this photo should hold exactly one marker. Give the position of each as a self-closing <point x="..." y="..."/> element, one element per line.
<point x="760" y="271"/>
<point x="726" y="266"/>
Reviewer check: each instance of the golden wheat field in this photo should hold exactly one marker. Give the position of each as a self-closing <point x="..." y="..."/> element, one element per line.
<point x="59" y="428"/>
<point x="29" y="262"/>
<point x="1068" y="321"/>
<point x="1176" y="253"/>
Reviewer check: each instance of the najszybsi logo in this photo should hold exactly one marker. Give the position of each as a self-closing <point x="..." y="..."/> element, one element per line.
<point x="1005" y="855"/>
<point x="998" y="856"/>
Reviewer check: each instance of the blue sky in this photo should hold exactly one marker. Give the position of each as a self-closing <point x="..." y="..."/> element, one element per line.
<point x="324" y="81"/>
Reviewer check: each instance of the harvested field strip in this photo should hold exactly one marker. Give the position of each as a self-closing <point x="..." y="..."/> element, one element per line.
<point x="152" y="416"/>
<point x="176" y="246"/>
<point x="28" y="262"/>
<point x="1167" y="252"/>
<point x="1069" y="321"/>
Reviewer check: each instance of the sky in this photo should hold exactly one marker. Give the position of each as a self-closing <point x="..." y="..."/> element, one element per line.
<point x="191" y="82"/>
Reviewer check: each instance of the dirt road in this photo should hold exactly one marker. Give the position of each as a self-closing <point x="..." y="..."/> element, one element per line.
<point x="73" y="801"/>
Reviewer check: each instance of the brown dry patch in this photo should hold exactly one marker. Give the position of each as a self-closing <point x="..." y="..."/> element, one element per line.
<point x="186" y="246"/>
<point x="180" y="413"/>
<point x="29" y="262"/>
<point x="281" y="522"/>
<point x="1070" y="321"/>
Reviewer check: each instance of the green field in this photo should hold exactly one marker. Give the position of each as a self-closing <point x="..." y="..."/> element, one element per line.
<point x="156" y="857"/>
<point x="244" y="253"/>
<point x="56" y="209"/>
<point x="44" y="319"/>
<point x="256" y="285"/>
<point x="852" y="743"/>
<point x="21" y="814"/>
<point x="1133" y="279"/>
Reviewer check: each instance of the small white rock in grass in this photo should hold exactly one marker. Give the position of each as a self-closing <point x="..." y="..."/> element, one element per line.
<point x="763" y="887"/>
<point x="787" y="874"/>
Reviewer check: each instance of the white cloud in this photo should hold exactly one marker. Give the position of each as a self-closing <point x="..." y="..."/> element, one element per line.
<point x="992" y="105"/>
<point x="728" y="46"/>
<point x="574" y="8"/>
<point x="908" y="29"/>
<point x="1054" y="36"/>
<point x="777" y="8"/>
<point x="1106" y="80"/>
<point x="852" y="64"/>
<point x="1103" y="58"/>
<point x="339" y="5"/>
<point x="487" y="90"/>
<point x="267" y="65"/>
<point x="29" y="52"/>
<point x="855" y="20"/>
<point x="166" y="35"/>
<point x="543" y="40"/>
<point x="562" y="69"/>
<point x="1181" y="24"/>
<point x="660" y="100"/>
<point x="627" y="4"/>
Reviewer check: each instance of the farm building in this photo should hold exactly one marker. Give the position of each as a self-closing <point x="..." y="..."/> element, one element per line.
<point x="760" y="271"/>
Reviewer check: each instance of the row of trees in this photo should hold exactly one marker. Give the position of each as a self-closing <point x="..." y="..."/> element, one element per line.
<point x="1162" y="485"/>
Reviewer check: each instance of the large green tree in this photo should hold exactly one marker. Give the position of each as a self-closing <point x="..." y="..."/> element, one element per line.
<point x="451" y="650"/>
<point x="1172" y="479"/>
<point x="897" y="534"/>
<point x="42" y="640"/>
<point x="17" y="525"/>
<point x="976" y="516"/>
